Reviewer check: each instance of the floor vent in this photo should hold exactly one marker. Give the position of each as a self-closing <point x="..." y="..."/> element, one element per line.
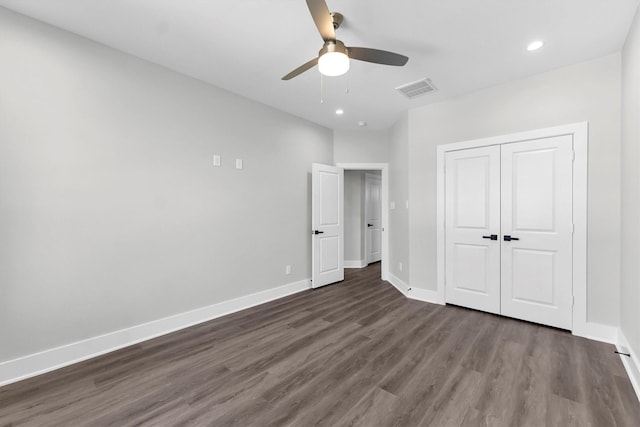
<point x="418" y="88"/>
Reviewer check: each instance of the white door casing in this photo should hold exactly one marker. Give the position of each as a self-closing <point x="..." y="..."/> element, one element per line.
<point x="522" y="194"/>
<point x="327" y="221"/>
<point x="536" y="276"/>
<point x="384" y="173"/>
<point x="373" y="218"/>
<point x="472" y="224"/>
<point x="579" y="132"/>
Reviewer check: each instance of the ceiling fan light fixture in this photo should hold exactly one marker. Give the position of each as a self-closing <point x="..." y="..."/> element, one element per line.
<point x="333" y="59"/>
<point x="333" y="64"/>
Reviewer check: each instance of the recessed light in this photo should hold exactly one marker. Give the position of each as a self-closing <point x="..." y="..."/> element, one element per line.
<point x="339" y="111"/>
<point x="535" y="45"/>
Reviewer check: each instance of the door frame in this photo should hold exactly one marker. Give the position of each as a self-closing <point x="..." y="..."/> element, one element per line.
<point x="580" y="137"/>
<point x="384" y="169"/>
<point x="367" y="239"/>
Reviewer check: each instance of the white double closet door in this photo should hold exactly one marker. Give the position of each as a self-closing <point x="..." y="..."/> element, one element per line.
<point x="509" y="230"/>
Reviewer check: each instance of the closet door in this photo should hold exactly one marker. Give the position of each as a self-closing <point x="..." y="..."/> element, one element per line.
<point x="536" y="273"/>
<point x="472" y="228"/>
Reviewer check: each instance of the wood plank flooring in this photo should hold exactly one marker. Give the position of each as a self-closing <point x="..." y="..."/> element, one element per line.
<point x="352" y="354"/>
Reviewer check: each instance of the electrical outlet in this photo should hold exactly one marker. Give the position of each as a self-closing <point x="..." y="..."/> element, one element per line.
<point x="287" y="270"/>
<point x="216" y="160"/>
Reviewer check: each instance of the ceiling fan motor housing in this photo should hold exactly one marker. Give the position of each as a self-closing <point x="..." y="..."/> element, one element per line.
<point x="333" y="46"/>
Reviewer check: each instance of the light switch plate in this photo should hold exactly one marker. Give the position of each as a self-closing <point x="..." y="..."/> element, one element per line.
<point x="238" y="163"/>
<point x="216" y="160"/>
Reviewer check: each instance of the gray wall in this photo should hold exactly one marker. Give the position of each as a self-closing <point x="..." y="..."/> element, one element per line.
<point x="588" y="91"/>
<point x="399" y="235"/>
<point x="111" y="213"/>
<point x="630" y="251"/>
<point x="360" y="146"/>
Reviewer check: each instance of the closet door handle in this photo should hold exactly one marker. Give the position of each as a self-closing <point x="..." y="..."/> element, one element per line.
<point x="508" y="238"/>
<point x="492" y="237"/>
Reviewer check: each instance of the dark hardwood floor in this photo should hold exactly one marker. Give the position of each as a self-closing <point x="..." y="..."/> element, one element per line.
<point x="355" y="353"/>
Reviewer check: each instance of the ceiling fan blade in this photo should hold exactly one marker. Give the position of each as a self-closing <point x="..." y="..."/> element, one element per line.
<point x="377" y="56"/>
<point x="301" y="69"/>
<point x="322" y="17"/>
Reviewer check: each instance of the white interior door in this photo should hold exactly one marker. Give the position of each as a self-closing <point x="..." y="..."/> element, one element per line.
<point x="327" y="221"/>
<point x="472" y="227"/>
<point x="537" y="227"/>
<point x="373" y="217"/>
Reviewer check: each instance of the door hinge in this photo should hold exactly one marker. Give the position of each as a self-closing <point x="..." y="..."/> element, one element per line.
<point x="573" y="156"/>
<point x="573" y="301"/>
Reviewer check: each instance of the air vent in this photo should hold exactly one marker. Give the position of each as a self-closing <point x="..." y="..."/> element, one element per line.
<point x="418" y="88"/>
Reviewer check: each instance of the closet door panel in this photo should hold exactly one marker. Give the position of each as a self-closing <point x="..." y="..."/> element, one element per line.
<point x="536" y="221"/>
<point x="472" y="215"/>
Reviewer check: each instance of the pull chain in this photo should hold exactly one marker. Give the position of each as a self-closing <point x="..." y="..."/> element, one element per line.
<point x="346" y="86"/>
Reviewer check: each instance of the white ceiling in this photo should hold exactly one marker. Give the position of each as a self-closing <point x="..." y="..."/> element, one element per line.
<point x="246" y="46"/>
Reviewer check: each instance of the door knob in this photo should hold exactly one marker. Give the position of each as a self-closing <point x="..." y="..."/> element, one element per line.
<point x="369" y="225"/>
<point x="318" y="232"/>
<point x="508" y="238"/>
<point x="492" y="237"/>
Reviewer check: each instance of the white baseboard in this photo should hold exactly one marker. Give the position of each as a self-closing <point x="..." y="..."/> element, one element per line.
<point x="591" y="330"/>
<point x="631" y="364"/>
<point x="39" y="363"/>
<point x="426" y="295"/>
<point x="418" y="294"/>
<point x="597" y="332"/>
<point x="398" y="284"/>
<point x="360" y="263"/>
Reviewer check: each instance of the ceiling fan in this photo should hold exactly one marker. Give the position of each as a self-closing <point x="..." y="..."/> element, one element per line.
<point x="333" y="58"/>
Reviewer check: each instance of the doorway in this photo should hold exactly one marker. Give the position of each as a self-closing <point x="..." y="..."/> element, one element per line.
<point x="362" y="218"/>
<point x="364" y="244"/>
